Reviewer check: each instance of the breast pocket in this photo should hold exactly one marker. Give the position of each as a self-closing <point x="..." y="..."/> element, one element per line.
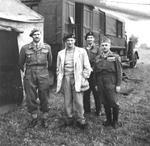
<point x="30" y="56"/>
<point x="42" y="56"/>
<point x="99" y="63"/>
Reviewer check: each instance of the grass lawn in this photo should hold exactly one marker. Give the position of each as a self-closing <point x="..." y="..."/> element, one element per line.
<point x="134" y="116"/>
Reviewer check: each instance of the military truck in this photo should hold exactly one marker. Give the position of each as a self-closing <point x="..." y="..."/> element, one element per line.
<point x="79" y="17"/>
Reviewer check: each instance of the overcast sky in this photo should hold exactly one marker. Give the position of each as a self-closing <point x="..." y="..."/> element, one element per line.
<point x="139" y="27"/>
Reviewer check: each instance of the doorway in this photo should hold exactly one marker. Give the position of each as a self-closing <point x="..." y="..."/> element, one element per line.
<point x="11" y="91"/>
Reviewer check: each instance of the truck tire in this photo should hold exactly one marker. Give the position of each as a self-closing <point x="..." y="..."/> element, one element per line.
<point x="134" y="60"/>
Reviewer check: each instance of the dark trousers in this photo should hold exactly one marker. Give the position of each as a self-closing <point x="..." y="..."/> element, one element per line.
<point x="86" y="97"/>
<point x="36" y="84"/>
<point x="107" y="89"/>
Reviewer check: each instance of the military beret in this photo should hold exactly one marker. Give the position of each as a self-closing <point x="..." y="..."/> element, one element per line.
<point x="71" y="35"/>
<point x="33" y="31"/>
<point x="90" y="33"/>
<point x="106" y="40"/>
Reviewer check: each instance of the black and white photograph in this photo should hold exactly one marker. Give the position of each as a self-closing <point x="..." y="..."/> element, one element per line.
<point x="74" y="73"/>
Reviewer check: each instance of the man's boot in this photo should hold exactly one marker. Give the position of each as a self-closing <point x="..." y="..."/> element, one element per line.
<point x="108" y="121"/>
<point x="115" y="123"/>
<point x="34" y="121"/>
<point x="44" y="122"/>
<point x="69" y="121"/>
<point x="82" y="125"/>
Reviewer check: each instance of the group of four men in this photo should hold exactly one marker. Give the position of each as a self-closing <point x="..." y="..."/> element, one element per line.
<point x="75" y="66"/>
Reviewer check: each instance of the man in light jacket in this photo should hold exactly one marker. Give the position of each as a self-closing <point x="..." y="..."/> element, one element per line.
<point x="72" y="68"/>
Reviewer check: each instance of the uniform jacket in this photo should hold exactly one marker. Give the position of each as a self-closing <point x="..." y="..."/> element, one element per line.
<point x="109" y="64"/>
<point x="82" y="68"/>
<point x="92" y="53"/>
<point x="31" y="55"/>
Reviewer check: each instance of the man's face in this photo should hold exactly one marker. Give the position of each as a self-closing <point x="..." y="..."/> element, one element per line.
<point x="70" y="42"/>
<point x="36" y="36"/>
<point x="105" y="47"/>
<point x="90" y="39"/>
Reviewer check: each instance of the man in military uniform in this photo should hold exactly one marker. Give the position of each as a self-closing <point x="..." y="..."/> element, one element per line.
<point x="108" y="73"/>
<point x="36" y="59"/>
<point x="92" y="51"/>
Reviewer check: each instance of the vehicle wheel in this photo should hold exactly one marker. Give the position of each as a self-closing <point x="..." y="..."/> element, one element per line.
<point x="134" y="61"/>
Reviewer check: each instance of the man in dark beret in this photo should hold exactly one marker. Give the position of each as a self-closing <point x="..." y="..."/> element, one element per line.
<point x="71" y="35"/>
<point x="73" y="67"/>
<point x="36" y="59"/>
<point x="33" y="31"/>
<point x="92" y="50"/>
<point x="90" y="33"/>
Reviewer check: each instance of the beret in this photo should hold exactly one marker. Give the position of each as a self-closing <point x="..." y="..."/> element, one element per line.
<point x="90" y="33"/>
<point x="71" y="35"/>
<point x="33" y="31"/>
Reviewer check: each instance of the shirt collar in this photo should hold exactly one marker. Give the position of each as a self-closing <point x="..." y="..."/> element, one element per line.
<point x="105" y="55"/>
<point x="89" y="47"/>
<point x="34" y="45"/>
<point x="70" y="49"/>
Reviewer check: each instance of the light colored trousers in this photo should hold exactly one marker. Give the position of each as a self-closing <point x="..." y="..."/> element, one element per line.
<point x="73" y="100"/>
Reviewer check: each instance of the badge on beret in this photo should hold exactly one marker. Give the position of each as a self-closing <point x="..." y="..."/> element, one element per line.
<point x="90" y="33"/>
<point x="33" y="31"/>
